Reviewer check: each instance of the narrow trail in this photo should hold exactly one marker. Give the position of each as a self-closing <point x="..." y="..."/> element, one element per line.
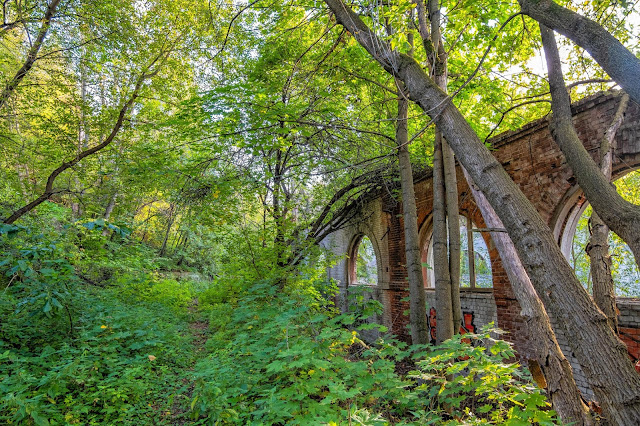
<point x="198" y="329"/>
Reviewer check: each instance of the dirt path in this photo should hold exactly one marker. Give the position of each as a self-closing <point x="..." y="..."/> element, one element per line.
<point x="199" y="330"/>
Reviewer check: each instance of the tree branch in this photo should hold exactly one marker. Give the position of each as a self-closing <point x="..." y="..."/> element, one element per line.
<point x="32" y="55"/>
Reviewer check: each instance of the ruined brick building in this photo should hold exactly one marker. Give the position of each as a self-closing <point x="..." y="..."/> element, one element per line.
<point x="533" y="161"/>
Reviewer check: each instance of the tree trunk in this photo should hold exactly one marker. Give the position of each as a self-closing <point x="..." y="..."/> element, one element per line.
<point x="451" y="203"/>
<point x="83" y="143"/>
<point x="558" y="375"/>
<point x="451" y="186"/>
<point x="601" y="354"/>
<point x="32" y="55"/>
<point x="598" y="251"/>
<point x="621" y="64"/>
<point x="598" y="246"/>
<point x="23" y="176"/>
<point x="279" y="212"/>
<point x="170" y="221"/>
<point x="444" y="311"/>
<point x="110" y="206"/>
<point x="621" y="216"/>
<point x="417" y="302"/>
<point x="109" y="210"/>
<point x="439" y="70"/>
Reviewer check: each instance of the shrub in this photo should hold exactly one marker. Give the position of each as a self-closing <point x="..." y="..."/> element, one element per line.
<point x="280" y="359"/>
<point x="102" y="375"/>
<point x="148" y="288"/>
<point x="472" y="379"/>
<point x="76" y="354"/>
<point x="287" y="363"/>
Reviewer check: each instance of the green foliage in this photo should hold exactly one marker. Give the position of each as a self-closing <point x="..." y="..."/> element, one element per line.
<point x="256" y="116"/>
<point x="362" y="305"/>
<point x="277" y="360"/>
<point x="472" y="379"/>
<point x="117" y="351"/>
<point x="36" y="268"/>
<point x="287" y="362"/>
<point x="149" y="289"/>
<point x="77" y="354"/>
<point x="118" y="367"/>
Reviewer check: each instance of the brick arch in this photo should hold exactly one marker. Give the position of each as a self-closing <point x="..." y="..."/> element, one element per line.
<point x="353" y="254"/>
<point x="574" y="203"/>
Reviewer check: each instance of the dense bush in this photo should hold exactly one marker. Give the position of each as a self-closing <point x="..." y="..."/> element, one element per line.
<point x="286" y="361"/>
<point x="118" y="367"/>
<point x="72" y="353"/>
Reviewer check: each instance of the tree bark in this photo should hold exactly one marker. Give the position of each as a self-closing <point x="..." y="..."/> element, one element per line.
<point x="601" y="354"/>
<point x="107" y="211"/>
<point x="561" y="386"/>
<point x="32" y="55"/>
<point x="621" y="216"/>
<point x="621" y="64"/>
<point x="453" y="216"/>
<point x="600" y="266"/>
<point x="449" y="170"/>
<point x="448" y="200"/>
<point x="444" y="311"/>
<point x="598" y="246"/>
<point x="417" y="302"/>
<point x="279" y="212"/>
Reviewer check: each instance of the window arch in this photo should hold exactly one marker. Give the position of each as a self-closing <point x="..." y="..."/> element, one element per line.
<point x="363" y="263"/>
<point x="475" y="261"/>
<point x="624" y="270"/>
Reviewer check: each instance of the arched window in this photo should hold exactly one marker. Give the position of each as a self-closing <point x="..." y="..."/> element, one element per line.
<point x="363" y="265"/>
<point x="475" y="262"/>
<point x="624" y="269"/>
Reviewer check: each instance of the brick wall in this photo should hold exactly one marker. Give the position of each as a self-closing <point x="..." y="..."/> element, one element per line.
<point x="629" y="326"/>
<point x="534" y="162"/>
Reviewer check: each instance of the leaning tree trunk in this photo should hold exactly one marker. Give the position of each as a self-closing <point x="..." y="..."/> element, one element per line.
<point x="598" y="246"/>
<point x="620" y="63"/>
<point x="417" y="302"/>
<point x="49" y="189"/>
<point x="621" y="216"/>
<point x="558" y="375"/>
<point x="601" y="354"/>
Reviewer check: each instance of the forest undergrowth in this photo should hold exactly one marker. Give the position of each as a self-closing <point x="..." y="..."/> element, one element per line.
<point x="97" y="329"/>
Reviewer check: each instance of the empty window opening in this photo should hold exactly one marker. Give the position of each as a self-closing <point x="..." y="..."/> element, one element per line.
<point x="364" y="265"/>
<point x="624" y="270"/>
<point x="475" y="261"/>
